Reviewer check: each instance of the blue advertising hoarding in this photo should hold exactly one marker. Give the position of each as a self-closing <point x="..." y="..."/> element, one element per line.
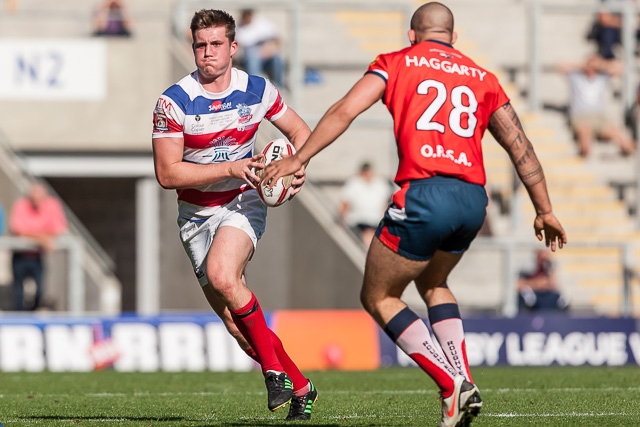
<point x="541" y="340"/>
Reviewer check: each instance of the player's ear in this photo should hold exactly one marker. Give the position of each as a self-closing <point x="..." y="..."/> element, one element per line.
<point x="234" y="47"/>
<point x="454" y="37"/>
<point x="412" y="37"/>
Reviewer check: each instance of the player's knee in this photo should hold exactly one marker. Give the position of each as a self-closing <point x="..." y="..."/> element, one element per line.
<point x="223" y="284"/>
<point x="368" y="301"/>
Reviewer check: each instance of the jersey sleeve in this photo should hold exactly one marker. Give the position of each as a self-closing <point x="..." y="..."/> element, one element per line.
<point x="498" y="96"/>
<point x="168" y="117"/>
<point x="379" y="67"/>
<point x="275" y="104"/>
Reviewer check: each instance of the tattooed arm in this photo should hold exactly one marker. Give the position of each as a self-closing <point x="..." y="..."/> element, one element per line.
<point x="505" y="127"/>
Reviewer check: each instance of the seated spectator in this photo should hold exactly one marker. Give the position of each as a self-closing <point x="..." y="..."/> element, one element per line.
<point x="111" y="19"/>
<point x="588" y="114"/>
<point x="363" y="200"/>
<point x="259" y="45"/>
<point x="40" y="217"/>
<point x="538" y="288"/>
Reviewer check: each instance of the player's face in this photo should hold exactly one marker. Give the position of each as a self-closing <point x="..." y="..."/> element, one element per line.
<point x="213" y="52"/>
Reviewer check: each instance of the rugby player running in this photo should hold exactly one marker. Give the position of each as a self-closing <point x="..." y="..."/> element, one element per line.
<point x="204" y="134"/>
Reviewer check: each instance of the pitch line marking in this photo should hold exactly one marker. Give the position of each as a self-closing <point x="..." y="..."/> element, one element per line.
<point x="569" y="414"/>
<point x="259" y="393"/>
<point x="344" y="417"/>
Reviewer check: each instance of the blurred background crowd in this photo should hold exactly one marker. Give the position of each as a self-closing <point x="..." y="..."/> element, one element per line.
<point x="81" y="78"/>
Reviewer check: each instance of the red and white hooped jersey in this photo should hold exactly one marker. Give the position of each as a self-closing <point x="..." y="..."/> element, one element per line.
<point x="216" y="127"/>
<point x="441" y="102"/>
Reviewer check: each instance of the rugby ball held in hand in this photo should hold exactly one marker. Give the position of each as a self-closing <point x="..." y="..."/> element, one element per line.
<point x="281" y="190"/>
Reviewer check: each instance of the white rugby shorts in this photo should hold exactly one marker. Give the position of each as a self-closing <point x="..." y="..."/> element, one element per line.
<point x="246" y="212"/>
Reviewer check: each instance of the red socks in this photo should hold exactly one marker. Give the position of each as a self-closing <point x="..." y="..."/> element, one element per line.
<point x="265" y="343"/>
<point x="251" y="323"/>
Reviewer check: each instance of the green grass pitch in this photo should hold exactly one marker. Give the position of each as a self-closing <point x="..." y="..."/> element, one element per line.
<point x="550" y="396"/>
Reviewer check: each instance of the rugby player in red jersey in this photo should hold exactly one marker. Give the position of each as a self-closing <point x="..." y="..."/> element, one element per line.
<point x="441" y="102"/>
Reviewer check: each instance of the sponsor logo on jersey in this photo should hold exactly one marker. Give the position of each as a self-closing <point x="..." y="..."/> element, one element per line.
<point x="440" y="153"/>
<point x="218" y="105"/>
<point x="196" y="129"/>
<point x="244" y="111"/>
<point x="163" y="106"/>
<point x="160" y="122"/>
<point x="197" y="118"/>
<point x="221" y="147"/>
<point x="444" y="53"/>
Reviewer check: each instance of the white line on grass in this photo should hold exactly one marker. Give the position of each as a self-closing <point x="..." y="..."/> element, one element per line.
<point x="570" y="414"/>
<point x="395" y="392"/>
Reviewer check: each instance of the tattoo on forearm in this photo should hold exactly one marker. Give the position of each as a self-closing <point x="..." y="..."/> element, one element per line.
<point x="532" y="178"/>
<point x="528" y="153"/>
<point x="503" y="124"/>
<point x="506" y="128"/>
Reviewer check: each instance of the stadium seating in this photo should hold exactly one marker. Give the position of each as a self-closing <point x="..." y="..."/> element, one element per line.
<point x="588" y="206"/>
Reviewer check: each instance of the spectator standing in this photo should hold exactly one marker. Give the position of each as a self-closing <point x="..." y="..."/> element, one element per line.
<point x="588" y="114"/>
<point x="364" y="198"/>
<point x="111" y="19"/>
<point x="260" y="47"/>
<point x="40" y="217"/>
<point x="538" y="288"/>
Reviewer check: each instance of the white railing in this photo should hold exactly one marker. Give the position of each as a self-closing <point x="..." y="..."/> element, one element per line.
<point x="509" y="247"/>
<point x="84" y="252"/>
<point x="75" y="254"/>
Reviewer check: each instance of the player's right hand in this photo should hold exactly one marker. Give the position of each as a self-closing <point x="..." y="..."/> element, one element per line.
<point x="548" y="227"/>
<point x="246" y="169"/>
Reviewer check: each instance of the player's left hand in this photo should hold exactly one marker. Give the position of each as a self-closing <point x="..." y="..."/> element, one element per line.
<point x="300" y="177"/>
<point x="548" y="227"/>
<point x="286" y="166"/>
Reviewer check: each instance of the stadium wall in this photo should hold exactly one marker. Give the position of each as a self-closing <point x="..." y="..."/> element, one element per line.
<point x="341" y="339"/>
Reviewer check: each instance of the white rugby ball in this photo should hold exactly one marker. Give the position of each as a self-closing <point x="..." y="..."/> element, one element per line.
<point x="281" y="190"/>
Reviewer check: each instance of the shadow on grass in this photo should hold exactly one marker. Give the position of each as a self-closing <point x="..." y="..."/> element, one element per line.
<point x="276" y="423"/>
<point x="105" y="418"/>
<point x="178" y="419"/>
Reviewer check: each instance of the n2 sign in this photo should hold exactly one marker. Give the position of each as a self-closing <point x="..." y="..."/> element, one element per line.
<point x="53" y="69"/>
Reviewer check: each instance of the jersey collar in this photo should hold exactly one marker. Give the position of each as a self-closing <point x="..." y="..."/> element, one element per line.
<point x="439" y="42"/>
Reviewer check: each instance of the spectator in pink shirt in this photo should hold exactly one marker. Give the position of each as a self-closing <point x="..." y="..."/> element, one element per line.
<point x="40" y="217"/>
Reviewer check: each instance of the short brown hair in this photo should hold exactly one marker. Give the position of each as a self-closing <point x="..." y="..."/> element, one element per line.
<point x="210" y="18"/>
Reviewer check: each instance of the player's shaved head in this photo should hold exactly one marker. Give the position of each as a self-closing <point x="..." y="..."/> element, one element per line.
<point x="432" y="20"/>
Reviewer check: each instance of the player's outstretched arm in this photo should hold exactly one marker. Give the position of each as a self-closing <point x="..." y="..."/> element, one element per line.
<point x="368" y="90"/>
<point x="297" y="132"/>
<point x="506" y="128"/>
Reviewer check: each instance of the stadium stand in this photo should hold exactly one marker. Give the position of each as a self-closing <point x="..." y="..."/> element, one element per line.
<point x="109" y="143"/>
